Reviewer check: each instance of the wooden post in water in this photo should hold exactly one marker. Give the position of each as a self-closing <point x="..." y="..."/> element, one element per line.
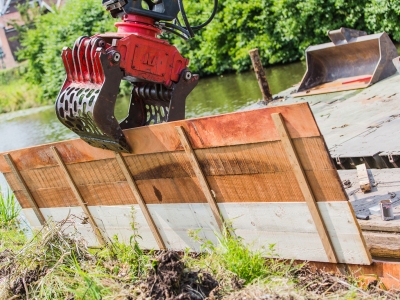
<point x="260" y="74"/>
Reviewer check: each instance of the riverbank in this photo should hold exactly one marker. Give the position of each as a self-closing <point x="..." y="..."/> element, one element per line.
<point x="16" y="93"/>
<point x="213" y="95"/>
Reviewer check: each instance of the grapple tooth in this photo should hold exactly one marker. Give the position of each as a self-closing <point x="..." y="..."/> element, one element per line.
<point x="86" y="101"/>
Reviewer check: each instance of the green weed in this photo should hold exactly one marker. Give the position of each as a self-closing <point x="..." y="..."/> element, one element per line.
<point x="236" y="264"/>
<point x="9" y="208"/>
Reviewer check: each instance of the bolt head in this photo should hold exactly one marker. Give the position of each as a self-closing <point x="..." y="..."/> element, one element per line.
<point x="116" y="57"/>
<point x="188" y="76"/>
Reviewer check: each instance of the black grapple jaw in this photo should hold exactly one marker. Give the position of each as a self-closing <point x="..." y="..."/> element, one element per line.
<point x="87" y="99"/>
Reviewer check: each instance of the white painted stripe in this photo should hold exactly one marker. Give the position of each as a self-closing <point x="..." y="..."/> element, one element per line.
<point x="287" y="225"/>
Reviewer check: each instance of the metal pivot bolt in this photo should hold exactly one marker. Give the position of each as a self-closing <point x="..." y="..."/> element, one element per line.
<point x="188" y="75"/>
<point x="116" y="57"/>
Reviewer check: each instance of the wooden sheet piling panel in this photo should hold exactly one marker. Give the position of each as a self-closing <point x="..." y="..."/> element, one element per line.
<point x="244" y="164"/>
<point x="25" y="189"/>
<point x="200" y="176"/>
<point x="305" y="187"/>
<point x="140" y="201"/>
<point x="78" y="196"/>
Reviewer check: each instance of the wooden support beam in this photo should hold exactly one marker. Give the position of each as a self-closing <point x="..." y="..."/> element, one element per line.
<point x="200" y="176"/>
<point x="78" y="195"/>
<point x="363" y="178"/>
<point x="304" y="186"/>
<point x="140" y="200"/>
<point x="260" y="74"/>
<point x="25" y="189"/>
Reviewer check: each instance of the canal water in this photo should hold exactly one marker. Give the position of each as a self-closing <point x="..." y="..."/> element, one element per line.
<point x="213" y="95"/>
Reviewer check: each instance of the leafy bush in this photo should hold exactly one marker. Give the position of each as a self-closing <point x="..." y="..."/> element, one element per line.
<point x="281" y="29"/>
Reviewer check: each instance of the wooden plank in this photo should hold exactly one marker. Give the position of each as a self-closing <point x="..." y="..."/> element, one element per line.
<point x="76" y="221"/>
<point x="387" y="271"/>
<point x="377" y="224"/>
<point x="140" y="201"/>
<point x="200" y="176"/>
<point x="281" y="187"/>
<point x="206" y="132"/>
<point x="289" y="226"/>
<point x="304" y="186"/>
<point x="383" y="244"/>
<point x="363" y="178"/>
<point x="260" y="74"/>
<point x="25" y="188"/>
<point x="78" y="195"/>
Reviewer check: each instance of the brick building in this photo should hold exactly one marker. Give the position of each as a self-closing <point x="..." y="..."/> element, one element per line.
<point x="9" y="12"/>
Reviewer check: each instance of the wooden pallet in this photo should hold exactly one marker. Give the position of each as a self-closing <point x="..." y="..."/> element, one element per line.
<point x="266" y="171"/>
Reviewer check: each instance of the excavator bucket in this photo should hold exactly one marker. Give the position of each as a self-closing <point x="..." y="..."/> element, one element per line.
<point x="353" y="60"/>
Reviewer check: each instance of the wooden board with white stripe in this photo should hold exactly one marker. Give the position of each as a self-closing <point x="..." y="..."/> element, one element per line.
<point x="246" y="168"/>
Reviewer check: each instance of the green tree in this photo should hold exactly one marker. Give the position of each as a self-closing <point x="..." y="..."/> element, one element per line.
<point x="281" y="29"/>
<point x="43" y="44"/>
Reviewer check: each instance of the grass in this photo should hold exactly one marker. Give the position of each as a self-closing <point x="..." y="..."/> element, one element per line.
<point x="57" y="264"/>
<point x="9" y="208"/>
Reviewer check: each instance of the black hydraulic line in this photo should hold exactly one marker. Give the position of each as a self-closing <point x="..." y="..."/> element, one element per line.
<point x="209" y="19"/>
<point x="185" y="19"/>
<point x="183" y="36"/>
<point x="176" y="27"/>
<point x="189" y="28"/>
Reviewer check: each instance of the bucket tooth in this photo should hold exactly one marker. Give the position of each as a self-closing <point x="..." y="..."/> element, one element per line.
<point x="352" y="60"/>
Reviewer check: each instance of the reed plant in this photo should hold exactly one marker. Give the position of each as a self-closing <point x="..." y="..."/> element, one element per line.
<point x="9" y="208"/>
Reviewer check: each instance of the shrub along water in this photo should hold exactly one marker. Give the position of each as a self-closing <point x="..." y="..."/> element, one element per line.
<point x="16" y="92"/>
<point x="281" y="29"/>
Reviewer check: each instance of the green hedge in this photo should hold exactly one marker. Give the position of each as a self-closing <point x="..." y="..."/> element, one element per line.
<point x="281" y="29"/>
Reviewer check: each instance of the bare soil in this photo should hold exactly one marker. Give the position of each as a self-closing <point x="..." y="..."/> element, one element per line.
<point x="170" y="280"/>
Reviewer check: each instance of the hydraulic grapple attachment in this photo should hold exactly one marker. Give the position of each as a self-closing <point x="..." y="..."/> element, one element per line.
<point x="353" y="60"/>
<point x="96" y="65"/>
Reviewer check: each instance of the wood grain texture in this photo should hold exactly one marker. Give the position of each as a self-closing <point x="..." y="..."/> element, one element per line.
<point x="383" y="244"/>
<point x="205" y="187"/>
<point x="238" y="159"/>
<point x="305" y="187"/>
<point x="78" y="196"/>
<point x="215" y="131"/>
<point x="29" y="197"/>
<point x="245" y="173"/>
<point x="140" y="201"/>
<point x="379" y="225"/>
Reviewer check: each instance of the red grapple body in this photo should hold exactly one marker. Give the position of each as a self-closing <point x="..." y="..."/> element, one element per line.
<point x="95" y="67"/>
